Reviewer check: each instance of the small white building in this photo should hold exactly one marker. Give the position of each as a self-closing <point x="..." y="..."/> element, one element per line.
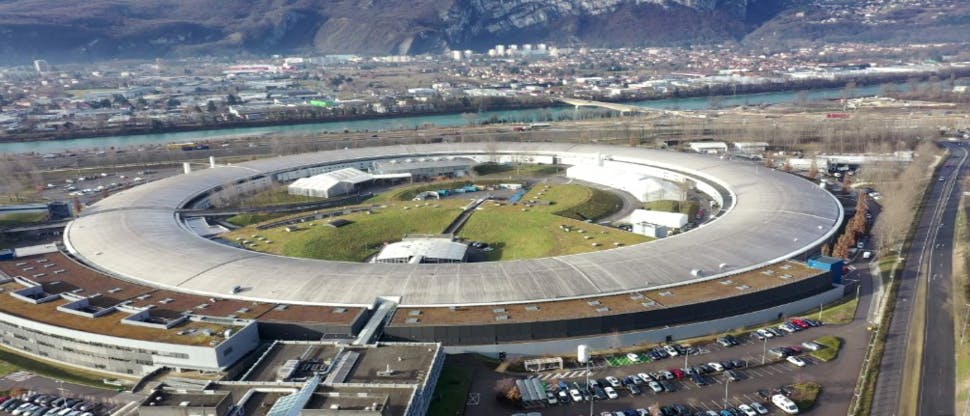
<point x="650" y="230"/>
<point x="708" y="147"/>
<point x="751" y="147"/>
<point x="666" y="219"/>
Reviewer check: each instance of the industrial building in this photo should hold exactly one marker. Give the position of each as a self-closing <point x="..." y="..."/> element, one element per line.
<point x="133" y="289"/>
<point x="428" y="167"/>
<point x="708" y="147"/>
<point x="320" y="378"/>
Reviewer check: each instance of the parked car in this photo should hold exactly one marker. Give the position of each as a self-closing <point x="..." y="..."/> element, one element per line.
<point x="614" y="382"/>
<point x="811" y="346"/>
<point x="655" y="386"/>
<point x="610" y="392"/>
<point x="733" y="375"/>
<point x="796" y="360"/>
<point x="747" y="410"/>
<point x="760" y="408"/>
<point x="575" y="396"/>
<point x="716" y="366"/>
<point x="632" y="356"/>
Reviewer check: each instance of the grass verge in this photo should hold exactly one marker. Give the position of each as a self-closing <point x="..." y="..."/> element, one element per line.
<point x="247" y="219"/>
<point x="597" y="205"/>
<point x="805" y="395"/>
<point x="841" y="311"/>
<point x="832" y="346"/>
<point x="22" y="218"/>
<point x="451" y="392"/>
<point x="10" y="362"/>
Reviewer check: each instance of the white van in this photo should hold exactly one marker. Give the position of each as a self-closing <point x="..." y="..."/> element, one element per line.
<point x="785" y="404"/>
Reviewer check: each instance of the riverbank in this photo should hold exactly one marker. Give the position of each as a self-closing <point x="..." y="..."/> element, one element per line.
<point x="397" y="122"/>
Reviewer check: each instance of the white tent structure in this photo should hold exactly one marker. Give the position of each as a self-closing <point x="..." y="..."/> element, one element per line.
<point x="339" y="182"/>
<point x="643" y="187"/>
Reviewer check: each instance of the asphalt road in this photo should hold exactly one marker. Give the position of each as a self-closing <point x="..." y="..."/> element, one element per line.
<point x="931" y="251"/>
<point x="938" y="379"/>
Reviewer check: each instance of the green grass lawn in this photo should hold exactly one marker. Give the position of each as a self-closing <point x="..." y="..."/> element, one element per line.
<point x="361" y="239"/>
<point x="516" y="232"/>
<point x="21" y="218"/>
<point x="594" y="204"/>
<point x="243" y="220"/>
<point x="10" y="362"/>
<point x="841" y="312"/>
<point x="276" y="196"/>
<point x="805" y="394"/>
<point x="832" y="346"/>
<point x="451" y="392"/>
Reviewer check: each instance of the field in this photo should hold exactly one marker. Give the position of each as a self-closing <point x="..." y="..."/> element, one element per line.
<point x="361" y="239"/>
<point x="514" y="231"/>
<point x="517" y="232"/>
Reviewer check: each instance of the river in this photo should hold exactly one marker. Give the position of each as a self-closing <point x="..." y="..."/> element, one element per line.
<point x="410" y="122"/>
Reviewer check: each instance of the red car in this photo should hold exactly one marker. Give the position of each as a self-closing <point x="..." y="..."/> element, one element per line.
<point x="800" y="323"/>
<point x="677" y="372"/>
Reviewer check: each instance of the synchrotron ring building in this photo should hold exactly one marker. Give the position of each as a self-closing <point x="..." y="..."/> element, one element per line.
<point x="768" y="216"/>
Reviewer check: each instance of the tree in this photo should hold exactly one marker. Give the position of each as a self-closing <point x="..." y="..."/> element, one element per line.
<point x="211" y="107"/>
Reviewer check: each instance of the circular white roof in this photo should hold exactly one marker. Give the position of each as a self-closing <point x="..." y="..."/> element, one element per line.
<point x="137" y="235"/>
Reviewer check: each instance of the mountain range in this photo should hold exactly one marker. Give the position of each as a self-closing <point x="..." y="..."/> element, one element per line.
<point x="60" y="30"/>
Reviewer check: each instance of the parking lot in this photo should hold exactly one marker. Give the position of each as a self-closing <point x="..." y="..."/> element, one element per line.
<point x="41" y="396"/>
<point x="716" y="391"/>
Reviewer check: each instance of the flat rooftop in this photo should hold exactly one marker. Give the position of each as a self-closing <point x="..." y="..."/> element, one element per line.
<point x="187" y="399"/>
<point x="409" y="364"/>
<point x="58" y="273"/>
<point x="395" y="400"/>
<point x="266" y="369"/>
<point x="753" y="281"/>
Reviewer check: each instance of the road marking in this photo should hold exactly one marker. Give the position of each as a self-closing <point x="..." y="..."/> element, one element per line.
<point x="474" y="399"/>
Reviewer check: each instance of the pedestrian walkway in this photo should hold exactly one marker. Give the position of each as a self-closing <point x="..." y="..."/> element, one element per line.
<point x="564" y="375"/>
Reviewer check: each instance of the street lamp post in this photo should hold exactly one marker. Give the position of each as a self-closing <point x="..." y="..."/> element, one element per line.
<point x="582" y="354"/>
<point x="966" y="315"/>
<point x="764" y="350"/>
<point x="726" y="384"/>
